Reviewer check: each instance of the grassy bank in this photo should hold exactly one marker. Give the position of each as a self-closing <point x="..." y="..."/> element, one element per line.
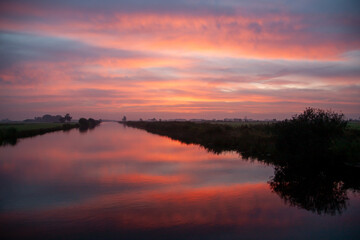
<point x="9" y="133"/>
<point x="249" y="140"/>
<point x="313" y="137"/>
<point x="314" y="167"/>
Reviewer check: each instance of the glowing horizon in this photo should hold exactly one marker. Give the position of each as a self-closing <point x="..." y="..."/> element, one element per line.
<point x="189" y="59"/>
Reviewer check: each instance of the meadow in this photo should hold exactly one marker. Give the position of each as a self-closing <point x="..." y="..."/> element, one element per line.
<point x="353" y="125"/>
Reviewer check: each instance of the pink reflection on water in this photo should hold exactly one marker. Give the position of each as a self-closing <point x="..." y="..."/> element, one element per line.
<point x="108" y="154"/>
<point x="117" y="179"/>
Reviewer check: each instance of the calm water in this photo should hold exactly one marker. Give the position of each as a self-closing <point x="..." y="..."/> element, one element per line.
<point x="122" y="183"/>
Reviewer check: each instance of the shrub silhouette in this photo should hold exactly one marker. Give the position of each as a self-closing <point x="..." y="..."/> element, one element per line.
<point x="314" y="131"/>
<point x="92" y="122"/>
<point x="67" y="117"/>
<point x="84" y="123"/>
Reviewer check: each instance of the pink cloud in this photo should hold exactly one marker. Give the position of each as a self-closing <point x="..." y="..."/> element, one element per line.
<point x="221" y="64"/>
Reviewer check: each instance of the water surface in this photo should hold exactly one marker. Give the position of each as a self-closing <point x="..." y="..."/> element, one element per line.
<point x="117" y="182"/>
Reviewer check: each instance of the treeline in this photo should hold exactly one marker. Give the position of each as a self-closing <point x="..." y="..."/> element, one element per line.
<point x="51" y="118"/>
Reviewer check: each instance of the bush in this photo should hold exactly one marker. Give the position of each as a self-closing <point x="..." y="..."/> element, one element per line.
<point x="84" y="123"/>
<point x="313" y="131"/>
<point x="92" y="122"/>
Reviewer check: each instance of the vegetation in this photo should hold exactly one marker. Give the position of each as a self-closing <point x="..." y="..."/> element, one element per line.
<point x="249" y="140"/>
<point x="51" y="119"/>
<point x="311" y="136"/>
<point x="86" y="124"/>
<point x="9" y="133"/>
<point x="353" y="125"/>
<point x="315" y="129"/>
<point x="315" y="154"/>
<point x="314" y="134"/>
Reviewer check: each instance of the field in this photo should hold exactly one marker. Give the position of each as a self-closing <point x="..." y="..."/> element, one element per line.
<point x="238" y="124"/>
<point x="354" y="125"/>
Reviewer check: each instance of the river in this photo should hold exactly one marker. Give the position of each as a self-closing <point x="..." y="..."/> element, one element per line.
<point x="116" y="182"/>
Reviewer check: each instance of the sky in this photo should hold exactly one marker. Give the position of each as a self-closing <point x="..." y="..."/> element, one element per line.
<point x="178" y="59"/>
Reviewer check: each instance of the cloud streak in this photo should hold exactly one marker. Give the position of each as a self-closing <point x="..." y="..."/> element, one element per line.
<point x="192" y="58"/>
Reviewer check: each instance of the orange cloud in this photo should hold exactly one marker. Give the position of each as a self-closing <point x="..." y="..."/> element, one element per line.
<point x="158" y="64"/>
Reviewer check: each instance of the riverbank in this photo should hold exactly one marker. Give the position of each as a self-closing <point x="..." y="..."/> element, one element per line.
<point x="9" y="133"/>
<point x="263" y="141"/>
<point x="250" y="140"/>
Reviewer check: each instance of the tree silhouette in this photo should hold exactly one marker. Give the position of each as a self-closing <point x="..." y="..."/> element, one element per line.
<point x="311" y="133"/>
<point x="68" y="117"/>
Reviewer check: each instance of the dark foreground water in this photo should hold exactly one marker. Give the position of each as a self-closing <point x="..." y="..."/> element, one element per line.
<point x="122" y="183"/>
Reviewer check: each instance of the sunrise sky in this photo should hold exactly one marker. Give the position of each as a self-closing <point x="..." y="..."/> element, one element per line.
<point x="178" y="59"/>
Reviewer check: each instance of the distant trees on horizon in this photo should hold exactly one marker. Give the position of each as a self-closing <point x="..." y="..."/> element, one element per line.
<point x="51" y="118"/>
<point x="88" y="123"/>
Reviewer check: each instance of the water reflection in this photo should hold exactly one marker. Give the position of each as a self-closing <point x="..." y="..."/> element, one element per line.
<point x="120" y="182"/>
<point x="316" y="180"/>
<point x="317" y="190"/>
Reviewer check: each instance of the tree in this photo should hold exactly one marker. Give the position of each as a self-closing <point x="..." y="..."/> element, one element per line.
<point x="68" y="117"/>
<point x="313" y="131"/>
<point x="92" y="122"/>
<point x="84" y="123"/>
